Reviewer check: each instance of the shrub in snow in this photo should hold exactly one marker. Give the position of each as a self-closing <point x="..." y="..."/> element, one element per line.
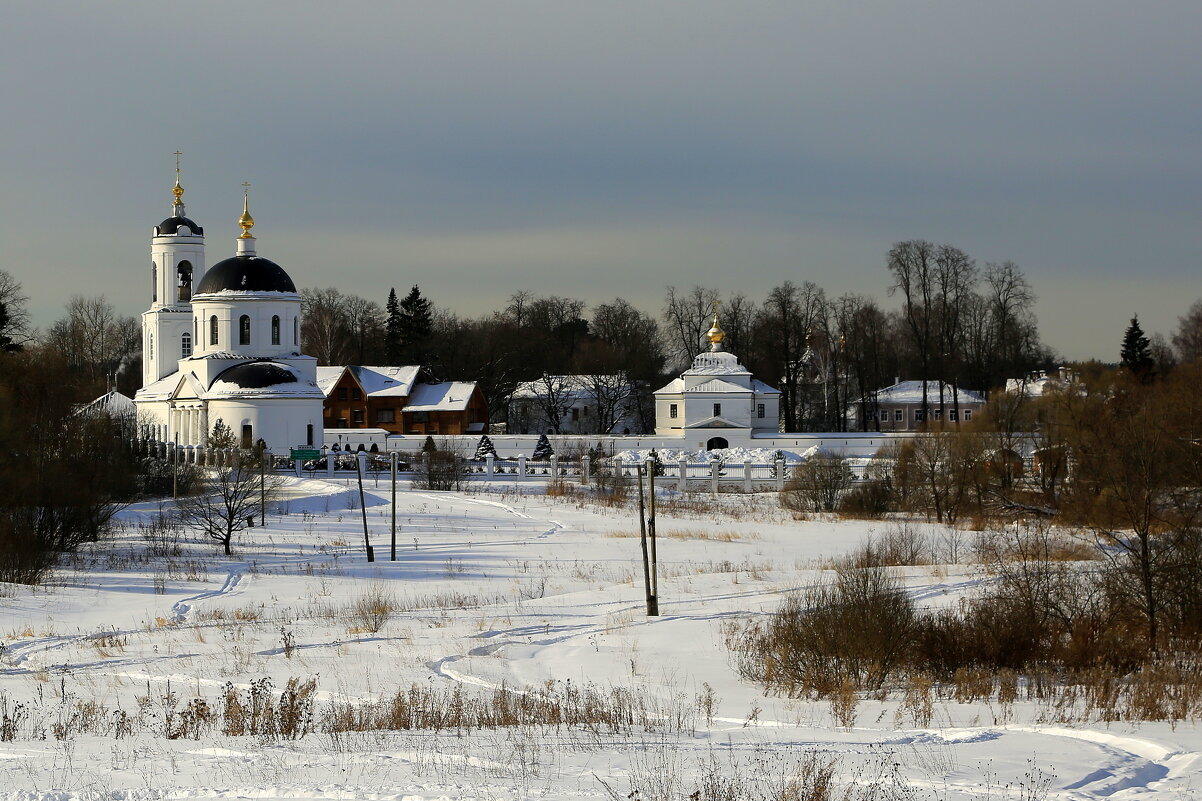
<point x="485" y="448"/>
<point x="543" y="450"/>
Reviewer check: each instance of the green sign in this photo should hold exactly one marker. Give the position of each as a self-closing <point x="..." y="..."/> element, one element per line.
<point x="304" y="454"/>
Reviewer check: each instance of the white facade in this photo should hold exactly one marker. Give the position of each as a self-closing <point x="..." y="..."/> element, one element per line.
<point x="177" y="259"/>
<point x="224" y="347"/>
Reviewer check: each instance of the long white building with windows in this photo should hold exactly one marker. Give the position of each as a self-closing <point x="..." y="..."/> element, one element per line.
<point x="225" y="350"/>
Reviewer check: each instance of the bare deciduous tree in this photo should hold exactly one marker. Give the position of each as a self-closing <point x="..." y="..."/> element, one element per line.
<point x="228" y="499"/>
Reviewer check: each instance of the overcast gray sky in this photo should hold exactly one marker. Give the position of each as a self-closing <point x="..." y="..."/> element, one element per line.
<point x="612" y="148"/>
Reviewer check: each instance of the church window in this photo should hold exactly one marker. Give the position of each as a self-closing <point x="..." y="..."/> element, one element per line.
<point x="185" y="345"/>
<point x="154" y="282"/>
<point x="247" y="435"/>
<point x="184" y="274"/>
<point x="275" y="329"/>
<point x="295" y="330"/>
<point x="309" y="435"/>
<point x="244" y="330"/>
<point x="759" y="410"/>
<point x="672" y="410"/>
<point x="150" y="345"/>
<point x="717" y="410"/>
<point x="213" y="330"/>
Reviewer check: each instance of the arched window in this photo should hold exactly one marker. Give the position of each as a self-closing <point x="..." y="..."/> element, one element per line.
<point x="275" y="329"/>
<point x="213" y="330"/>
<point x="244" y="330"/>
<point x="154" y="282"/>
<point x="185" y="345"/>
<point x="183" y="274"/>
<point x="196" y="328"/>
<point x="295" y="330"/>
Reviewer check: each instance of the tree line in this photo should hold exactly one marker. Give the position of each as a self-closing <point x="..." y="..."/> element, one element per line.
<point x="952" y="320"/>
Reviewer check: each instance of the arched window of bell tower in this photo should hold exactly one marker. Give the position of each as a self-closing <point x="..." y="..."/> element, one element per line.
<point x="184" y="280"/>
<point x="244" y="330"/>
<point x="185" y="345"/>
<point x="275" y="329"/>
<point x="154" y="282"/>
<point x="213" y="330"/>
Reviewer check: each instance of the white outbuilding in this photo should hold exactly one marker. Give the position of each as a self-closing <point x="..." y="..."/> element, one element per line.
<point x="227" y="351"/>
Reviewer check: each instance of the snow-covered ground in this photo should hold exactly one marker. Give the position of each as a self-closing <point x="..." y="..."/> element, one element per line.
<point x="531" y="593"/>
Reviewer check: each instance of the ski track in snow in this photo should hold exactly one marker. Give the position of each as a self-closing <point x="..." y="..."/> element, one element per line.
<point x="18" y="653"/>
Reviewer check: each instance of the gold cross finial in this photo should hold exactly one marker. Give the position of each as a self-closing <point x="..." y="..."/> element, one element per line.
<point x="246" y="221"/>
<point x="177" y="190"/>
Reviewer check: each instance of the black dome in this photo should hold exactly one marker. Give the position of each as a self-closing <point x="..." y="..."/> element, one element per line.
<point x="257" y="375"/>
<point x="171" y="225"/>
<point x="245" y="274"/>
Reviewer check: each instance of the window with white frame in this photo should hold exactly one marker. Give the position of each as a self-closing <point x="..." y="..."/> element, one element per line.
<point x="953" y="416"/>
<point x="884" y="415"/>
<point x="967" y="415"/>
<point x="899" y="416"/>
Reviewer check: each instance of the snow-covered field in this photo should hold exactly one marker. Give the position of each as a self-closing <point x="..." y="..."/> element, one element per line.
<point x="535" y="594"/>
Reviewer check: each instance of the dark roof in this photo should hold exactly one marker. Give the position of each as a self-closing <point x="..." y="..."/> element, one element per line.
<point x="245" y="274"/>
<point x="171" y="225"/>
<point x="256" y="375"/>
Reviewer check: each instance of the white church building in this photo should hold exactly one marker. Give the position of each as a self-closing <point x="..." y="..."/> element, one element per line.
<point x="225" y="349"/>
<point x="717" y="403"/>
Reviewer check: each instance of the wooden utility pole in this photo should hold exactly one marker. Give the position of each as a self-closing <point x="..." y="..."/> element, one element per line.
<point x="643" y="540"/>
<point x="262" y="487"/>
<point x="653" y="608"/>
<point x="371" y="556"/>
<point x="393" y="459"/>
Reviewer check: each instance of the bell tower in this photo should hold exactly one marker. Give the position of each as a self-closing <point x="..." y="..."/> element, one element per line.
<point x="176" y="263"/>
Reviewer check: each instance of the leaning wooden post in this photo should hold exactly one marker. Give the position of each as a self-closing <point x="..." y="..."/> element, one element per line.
<point x="361" y="457"/>
<point x="653" y="599"/>
<point x="393" y="458"/>
<point x="643" y="541"/>
<point x="264" y="455"/>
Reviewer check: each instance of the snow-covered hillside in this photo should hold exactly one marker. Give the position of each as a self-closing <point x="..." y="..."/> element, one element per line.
<point x="537" y="595"/>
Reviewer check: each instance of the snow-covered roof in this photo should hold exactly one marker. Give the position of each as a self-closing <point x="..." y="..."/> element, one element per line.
<point x="377" y="382"/>
<point x="114" y="404"/>
<point x="580" y="386"/>
<point x="263" y="379"/>
<point x="761" y="388"/>
<point x="673" y="387"/>
<point x="720" y="363"/>
<point x="911" y="392"/>
<point x="449" y="396"/>
<point x="1040" y="383"/>
<point x="715" y="385"/>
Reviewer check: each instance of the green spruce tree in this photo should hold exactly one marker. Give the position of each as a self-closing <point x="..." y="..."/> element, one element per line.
<point x="416" y="325"/>
<point x="1136" y="355"/>
<point x="393" y="352"/>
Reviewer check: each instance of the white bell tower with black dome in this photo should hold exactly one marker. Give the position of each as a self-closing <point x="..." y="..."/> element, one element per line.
<point x="177" y="259"/>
